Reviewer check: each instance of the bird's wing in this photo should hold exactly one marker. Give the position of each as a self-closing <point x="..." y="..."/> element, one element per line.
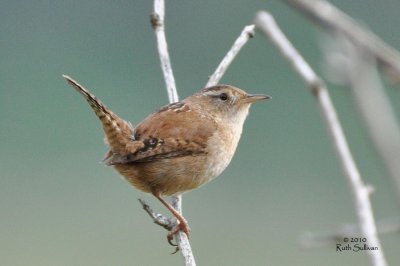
<point x="168" y="133"/>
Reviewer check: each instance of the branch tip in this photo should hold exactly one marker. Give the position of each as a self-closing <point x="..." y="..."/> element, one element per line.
<point x="247" y="33"/>
<point x="157" y="218"/>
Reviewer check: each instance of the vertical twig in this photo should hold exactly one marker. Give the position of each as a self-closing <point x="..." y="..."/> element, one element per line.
<point x="157" y="21"/>
<point x="266" y="23"/>
<point x="247" y="33"/>
<point x="181" y="238"/>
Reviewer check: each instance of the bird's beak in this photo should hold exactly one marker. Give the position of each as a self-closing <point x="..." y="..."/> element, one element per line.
<point x="251" y="98"/>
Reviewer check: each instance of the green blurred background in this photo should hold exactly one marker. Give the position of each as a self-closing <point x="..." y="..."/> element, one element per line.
<point x="60" y="206"/>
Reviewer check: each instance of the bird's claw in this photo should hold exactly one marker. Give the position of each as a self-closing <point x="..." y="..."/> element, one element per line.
<point x="184" y="227"/>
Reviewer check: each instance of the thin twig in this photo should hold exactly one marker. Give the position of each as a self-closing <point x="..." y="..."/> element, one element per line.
<point x="157" y="21"/>
<point x="247" y="33"/>
<point x="158" y="218"/>
<point x="266" y="23"/>
<point x="181" y="238"/>
<point x="331" y="18"/>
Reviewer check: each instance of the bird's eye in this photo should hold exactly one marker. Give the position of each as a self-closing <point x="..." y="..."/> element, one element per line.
<point x="223" y="97"/>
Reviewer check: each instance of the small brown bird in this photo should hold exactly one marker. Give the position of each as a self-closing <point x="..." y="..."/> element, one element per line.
<point x="178" y="148"/>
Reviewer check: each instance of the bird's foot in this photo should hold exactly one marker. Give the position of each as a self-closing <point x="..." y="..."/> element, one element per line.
<point x="182" y="226"/>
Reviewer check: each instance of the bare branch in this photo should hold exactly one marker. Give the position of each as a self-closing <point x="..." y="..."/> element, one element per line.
<point x="247" y="33"/>
<point x="158" y="218"/>
<point x="181" y="238"/>
<point x="266" y="23"/>
<point x="157" y="21"/>
<point x="329" y="17"/>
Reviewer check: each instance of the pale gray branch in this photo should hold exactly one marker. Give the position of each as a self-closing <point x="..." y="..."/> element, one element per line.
<point x="266" y="23"/>
<point x="181" y="238"/>
<point x="158" y="218"/>
<point x="157" y="21"/>
<point x="329" y="17"/>
<point x="247" y="33"/>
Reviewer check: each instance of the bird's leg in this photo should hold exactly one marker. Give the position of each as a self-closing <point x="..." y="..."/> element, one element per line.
<point x="182" y="226"/>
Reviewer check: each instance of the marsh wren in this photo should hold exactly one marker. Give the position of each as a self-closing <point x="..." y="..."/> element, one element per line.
<point x="178" y="148"/>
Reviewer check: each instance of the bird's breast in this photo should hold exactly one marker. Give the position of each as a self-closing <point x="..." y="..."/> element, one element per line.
<point x="221" y="148"/>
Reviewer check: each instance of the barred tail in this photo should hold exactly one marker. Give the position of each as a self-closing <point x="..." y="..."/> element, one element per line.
<point x="118" y="131"/>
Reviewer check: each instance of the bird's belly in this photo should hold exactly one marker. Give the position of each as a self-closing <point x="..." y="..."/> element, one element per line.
<point x="170" y="176"/>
